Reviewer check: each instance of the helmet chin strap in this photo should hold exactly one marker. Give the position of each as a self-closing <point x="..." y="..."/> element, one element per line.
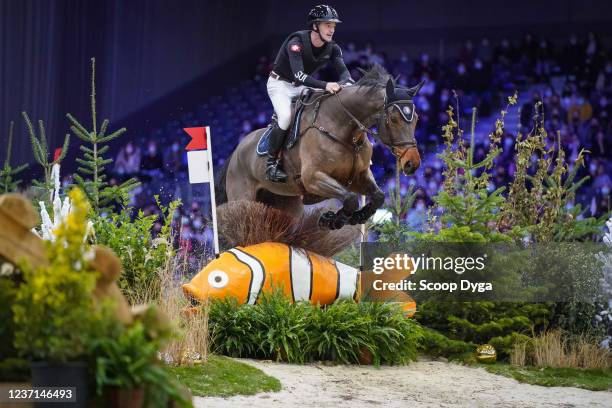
<point x="319" y="32"/>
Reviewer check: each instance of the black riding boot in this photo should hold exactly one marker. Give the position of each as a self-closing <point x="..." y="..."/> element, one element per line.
<point x="274" y="167"/>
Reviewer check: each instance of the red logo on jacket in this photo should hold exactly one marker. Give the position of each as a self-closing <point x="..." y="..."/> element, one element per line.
<point x="296" y="48"/>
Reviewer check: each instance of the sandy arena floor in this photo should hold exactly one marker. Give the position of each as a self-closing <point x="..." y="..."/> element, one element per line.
<point x="421" y="384"/>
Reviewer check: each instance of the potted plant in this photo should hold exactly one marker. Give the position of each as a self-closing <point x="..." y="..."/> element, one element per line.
<point x="128" y="372"/>
<point x="54" y="314"/>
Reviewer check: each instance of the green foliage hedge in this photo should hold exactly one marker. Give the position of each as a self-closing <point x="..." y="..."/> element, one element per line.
<point x="301" y="332"/>
<point x="496" y="323"/>
<point x="435" y="344"/>
<point x="143" y="255"/>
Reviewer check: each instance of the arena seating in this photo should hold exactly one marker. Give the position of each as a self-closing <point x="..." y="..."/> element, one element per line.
<point x="577" y="100"/>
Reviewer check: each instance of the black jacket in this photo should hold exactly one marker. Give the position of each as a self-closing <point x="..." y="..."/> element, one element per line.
<point x="297" y="60"/>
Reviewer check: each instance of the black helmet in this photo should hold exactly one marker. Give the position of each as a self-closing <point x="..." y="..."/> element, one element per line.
<point x="323" y="13"/>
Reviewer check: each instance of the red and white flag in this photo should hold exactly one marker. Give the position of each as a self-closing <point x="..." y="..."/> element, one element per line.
<point x="199" y="160"/>
<point x="200" y="165"/>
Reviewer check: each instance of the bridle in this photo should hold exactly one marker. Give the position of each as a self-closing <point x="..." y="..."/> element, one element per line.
<point x="406" y="110"/>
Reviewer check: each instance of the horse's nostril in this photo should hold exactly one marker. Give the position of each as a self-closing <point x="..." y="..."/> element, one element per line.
<point x="409" y="169"/>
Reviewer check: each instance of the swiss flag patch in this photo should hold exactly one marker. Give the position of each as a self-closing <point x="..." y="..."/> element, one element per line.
<point x="296" y="48"/>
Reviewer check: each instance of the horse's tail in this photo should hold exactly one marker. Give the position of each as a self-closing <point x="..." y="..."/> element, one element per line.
<point x="220" y="190"/>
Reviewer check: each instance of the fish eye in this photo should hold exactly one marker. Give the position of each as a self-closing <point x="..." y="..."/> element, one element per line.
<point x="218" y="279"/>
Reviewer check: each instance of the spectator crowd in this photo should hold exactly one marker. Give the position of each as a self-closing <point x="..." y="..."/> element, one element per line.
<point x="572" y="81"/>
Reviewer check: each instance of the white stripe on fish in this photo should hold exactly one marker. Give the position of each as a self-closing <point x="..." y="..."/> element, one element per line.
<point x="301" y="274"/>
<point x="256" y="269"/>
<point x="348" y="280"/>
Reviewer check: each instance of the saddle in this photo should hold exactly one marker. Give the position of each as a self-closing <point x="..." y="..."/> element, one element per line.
<point x="293" y="134"/>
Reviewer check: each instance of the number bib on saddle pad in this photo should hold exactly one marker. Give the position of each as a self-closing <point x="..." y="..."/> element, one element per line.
<point x="294" y="133"/>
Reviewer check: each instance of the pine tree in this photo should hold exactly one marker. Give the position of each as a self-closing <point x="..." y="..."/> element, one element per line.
<point x="41" y="153"/>
<point x="92" y="177"/>
<point x="7" y="182"/>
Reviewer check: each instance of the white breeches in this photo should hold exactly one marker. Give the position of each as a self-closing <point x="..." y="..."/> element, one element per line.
<point x="281" y="94"/>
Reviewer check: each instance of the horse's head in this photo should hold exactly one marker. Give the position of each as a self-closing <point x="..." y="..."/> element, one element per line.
<point x="397" y="125"/>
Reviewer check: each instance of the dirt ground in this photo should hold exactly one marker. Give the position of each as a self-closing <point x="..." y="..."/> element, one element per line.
<point x="421" y="384"/>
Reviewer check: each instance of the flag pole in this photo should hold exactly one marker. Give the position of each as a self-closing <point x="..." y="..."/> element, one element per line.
<point x="363" y="234"/>
<point x="363" y="226"/>
<point x="213" y="201"/>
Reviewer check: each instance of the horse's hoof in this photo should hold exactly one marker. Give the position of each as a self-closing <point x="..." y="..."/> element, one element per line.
<point x="326" y="220"/>
<point x="357" y="218"/>
<point x="339" y="221"/>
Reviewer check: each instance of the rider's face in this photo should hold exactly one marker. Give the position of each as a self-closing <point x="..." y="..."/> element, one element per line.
<point x="327" y="30"/>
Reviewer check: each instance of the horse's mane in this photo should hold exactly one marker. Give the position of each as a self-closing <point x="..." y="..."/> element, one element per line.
<point x="374" y="78"/>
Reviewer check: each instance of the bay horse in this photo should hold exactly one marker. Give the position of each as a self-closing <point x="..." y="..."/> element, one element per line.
<point x="331" y="159"/>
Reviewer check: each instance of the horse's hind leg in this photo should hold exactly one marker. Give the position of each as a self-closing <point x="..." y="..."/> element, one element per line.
<point x="324" y="185"/>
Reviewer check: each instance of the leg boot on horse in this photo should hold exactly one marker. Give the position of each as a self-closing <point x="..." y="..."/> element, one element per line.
<point x="274" y="167"/>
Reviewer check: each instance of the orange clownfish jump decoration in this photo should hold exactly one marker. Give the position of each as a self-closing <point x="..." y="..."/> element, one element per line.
<point x="245" y="272"/>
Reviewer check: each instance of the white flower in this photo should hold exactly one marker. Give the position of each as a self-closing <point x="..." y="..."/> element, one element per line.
<point x="60" y="210"/>
<point x="158" y="241"/>
<point x="7" y="269"/>
<point x="165" y="357"/>
<point x="191" y="355"/>
<point x="65" y="207"/>
<point x="46" y="226"/>
<point x="89" y="231"/>
<point x="89" y="255"/>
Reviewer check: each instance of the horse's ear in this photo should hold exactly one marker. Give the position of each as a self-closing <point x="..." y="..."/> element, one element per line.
<point x="415" y="89"/>
<point x="390" y="89"/>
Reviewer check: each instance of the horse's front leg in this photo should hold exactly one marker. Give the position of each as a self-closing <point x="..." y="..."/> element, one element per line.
<point x="321" y="184"/>
<point x="376" y="198"/>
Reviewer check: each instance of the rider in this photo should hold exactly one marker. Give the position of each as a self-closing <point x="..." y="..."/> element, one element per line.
<point x="301" y="55"/>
